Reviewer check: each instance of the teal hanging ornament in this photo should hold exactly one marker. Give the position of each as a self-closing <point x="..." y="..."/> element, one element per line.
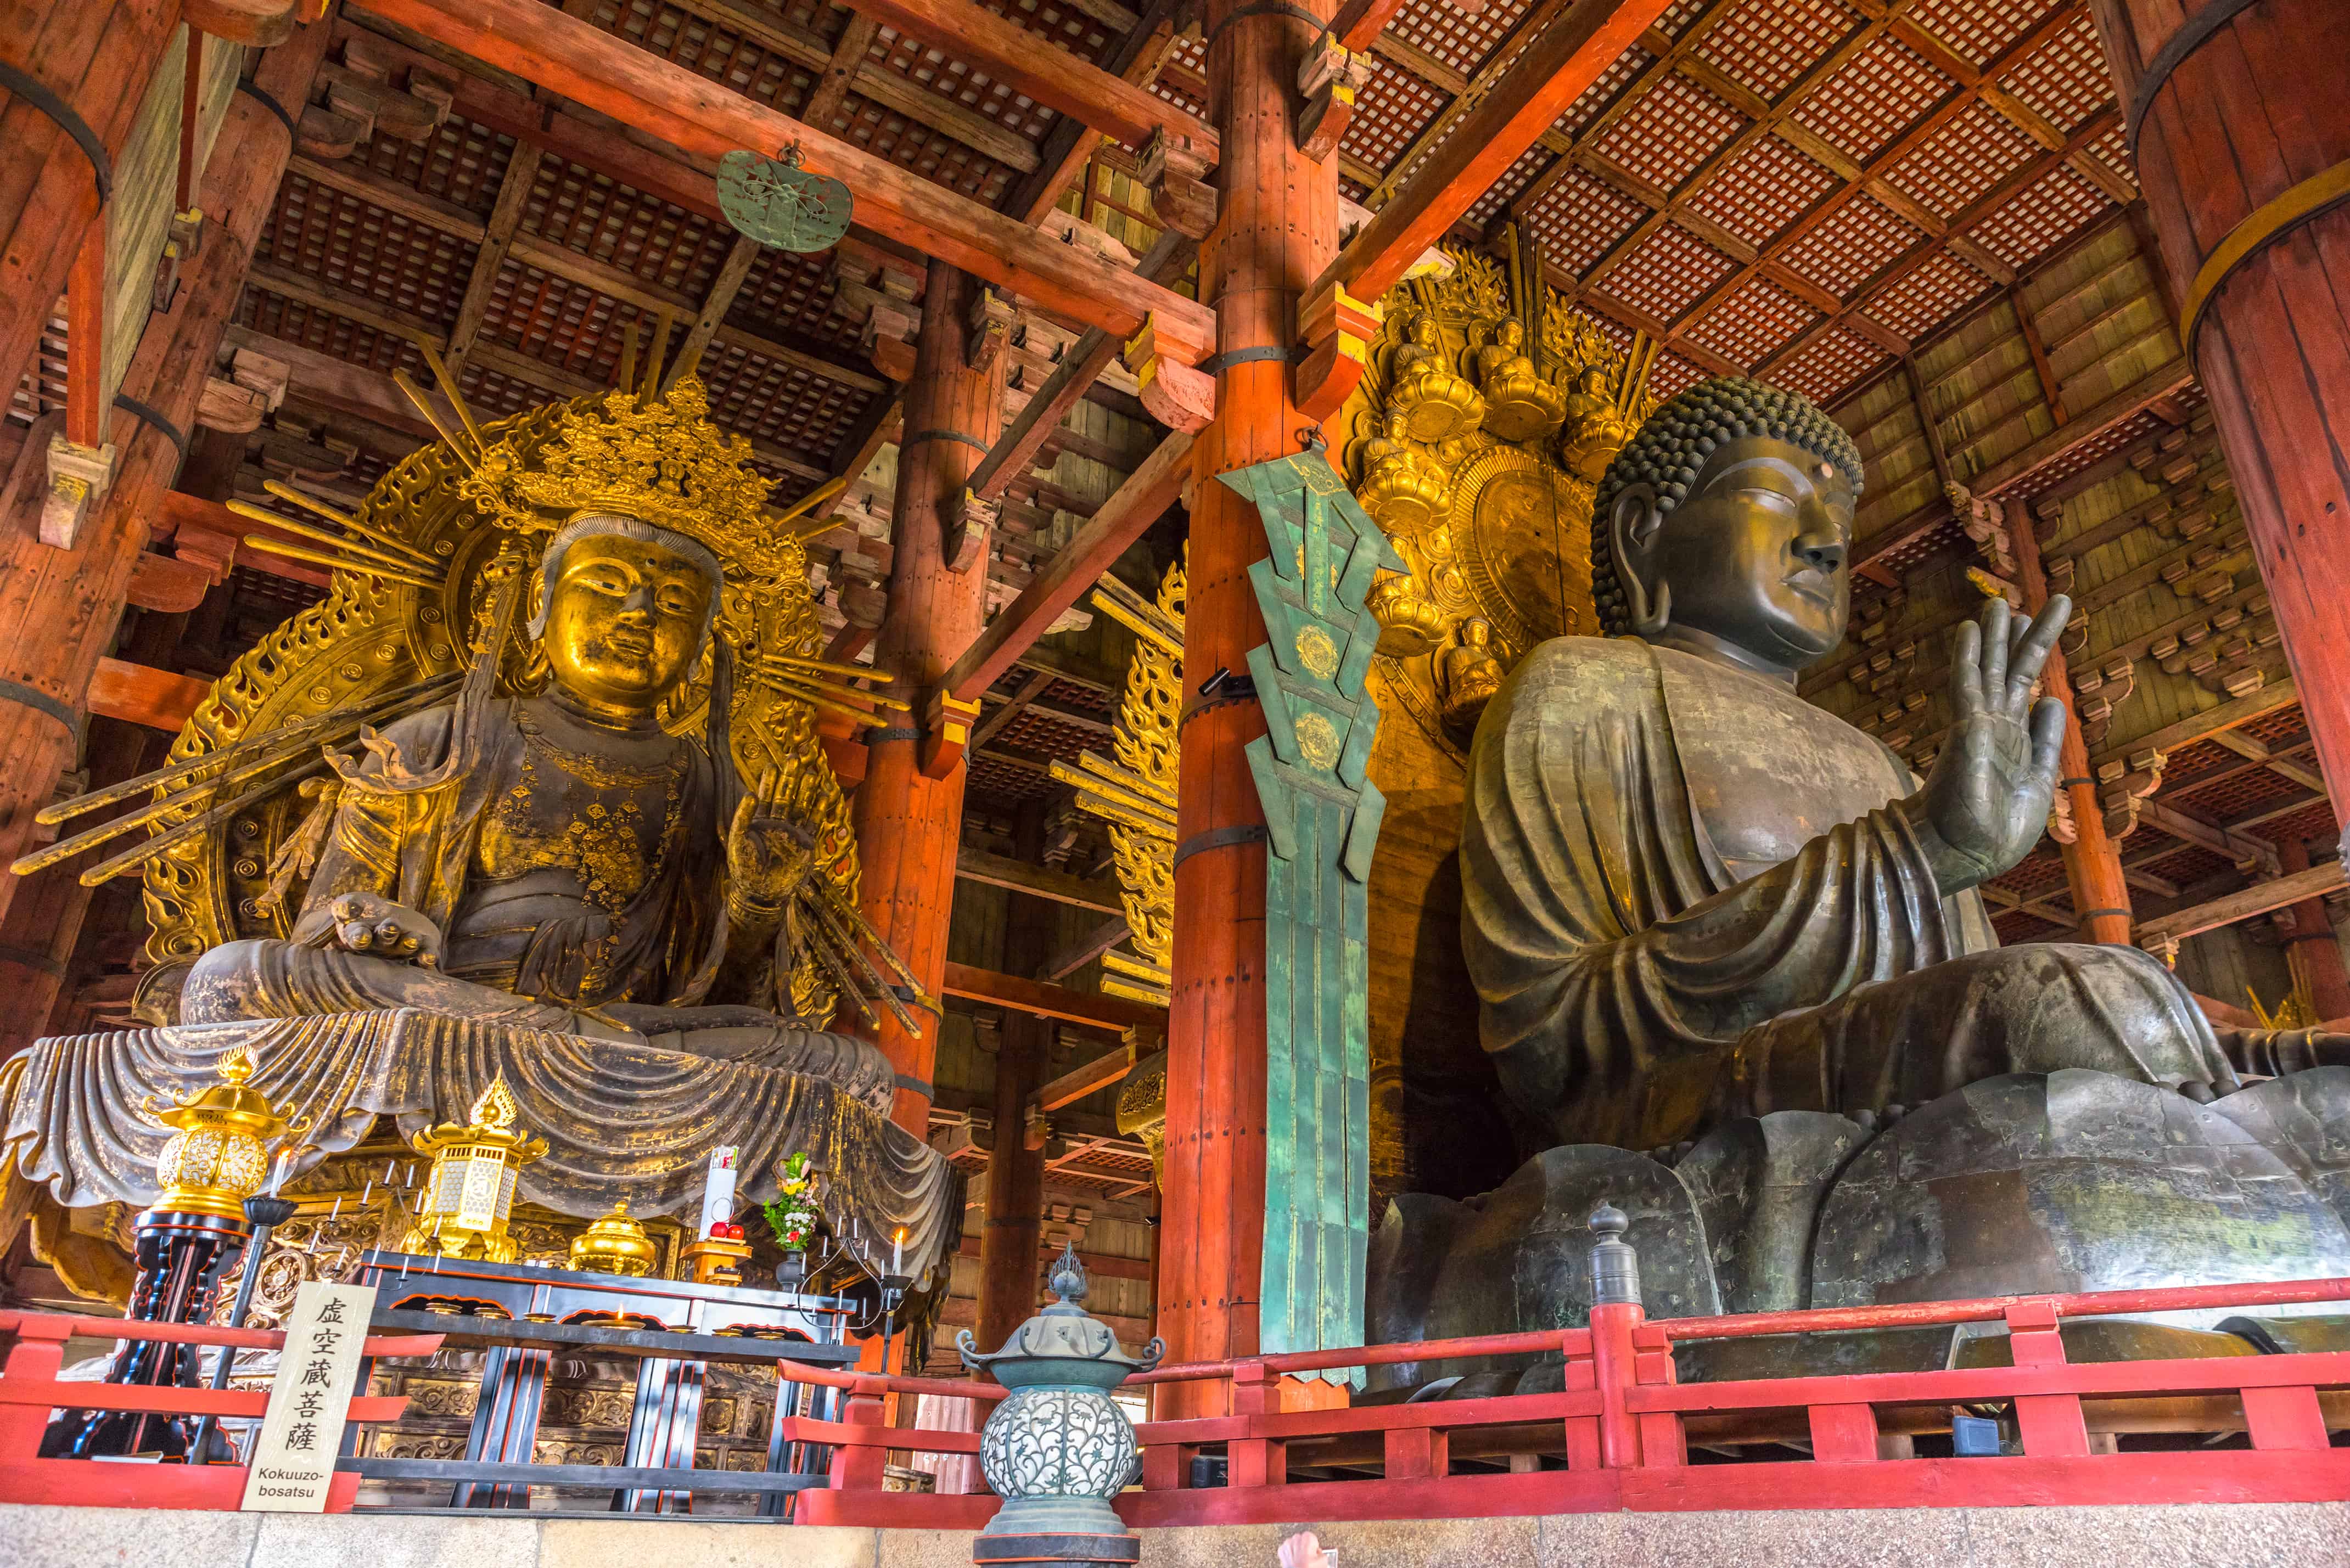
<point x="777" y="202"/>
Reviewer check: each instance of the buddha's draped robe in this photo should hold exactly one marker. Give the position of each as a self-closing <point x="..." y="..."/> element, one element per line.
<point x="1687" y="894"/>
<point x="533" y="951"/>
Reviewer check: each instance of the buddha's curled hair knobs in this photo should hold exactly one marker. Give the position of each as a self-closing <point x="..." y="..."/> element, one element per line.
<point x="1671" y="450"/>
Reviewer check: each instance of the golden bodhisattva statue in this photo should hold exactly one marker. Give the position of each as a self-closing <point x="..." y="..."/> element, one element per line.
<point x="559" y="861"/>
<point x="535" y="797"/>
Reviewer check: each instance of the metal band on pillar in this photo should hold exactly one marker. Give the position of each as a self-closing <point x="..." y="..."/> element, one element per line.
<point x="2261" y="228"/>
<point x="37" y="94"/>
<point x="2192" y="35"/>
<point x="271" y="104"/>
<point x="40" y="703"/>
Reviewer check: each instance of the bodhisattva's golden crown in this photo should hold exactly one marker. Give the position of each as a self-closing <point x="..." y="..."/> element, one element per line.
<point x="657" y="458"/>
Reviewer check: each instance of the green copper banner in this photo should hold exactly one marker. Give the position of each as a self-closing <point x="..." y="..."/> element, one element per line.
<point x="1322" y="817"/>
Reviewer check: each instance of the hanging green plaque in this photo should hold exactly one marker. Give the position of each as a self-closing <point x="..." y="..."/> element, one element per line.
<point x="1322" y="818"/>
<point x="777" y="202"/>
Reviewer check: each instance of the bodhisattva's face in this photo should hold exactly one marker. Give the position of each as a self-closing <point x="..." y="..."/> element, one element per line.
<point x="624" y="622"/>
<point x="1756" y="554"/>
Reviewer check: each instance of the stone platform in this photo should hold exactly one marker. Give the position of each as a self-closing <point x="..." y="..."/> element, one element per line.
<point x="2232" y="1535"/>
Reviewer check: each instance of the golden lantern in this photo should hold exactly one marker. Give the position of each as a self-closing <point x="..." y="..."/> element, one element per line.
<point x="616" y="1244"/>
<point x="219" y="1151"/>
<point x="471" y="1191"/>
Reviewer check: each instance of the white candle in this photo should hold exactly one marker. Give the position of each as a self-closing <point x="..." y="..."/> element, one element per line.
<point x="898" y="1251"/>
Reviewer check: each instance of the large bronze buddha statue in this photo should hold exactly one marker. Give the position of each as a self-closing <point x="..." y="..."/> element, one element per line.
<point x="1690" y="893"/>
<point x="1706" y="919"/>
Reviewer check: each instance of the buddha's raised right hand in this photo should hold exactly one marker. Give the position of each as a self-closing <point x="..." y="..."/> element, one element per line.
<point x="362" y="922"/>
<point x="1986" y="801"/>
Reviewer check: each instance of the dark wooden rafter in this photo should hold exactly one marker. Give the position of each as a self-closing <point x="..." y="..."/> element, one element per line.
<point x="497" y="236"/>
<point x="699" y="117"/>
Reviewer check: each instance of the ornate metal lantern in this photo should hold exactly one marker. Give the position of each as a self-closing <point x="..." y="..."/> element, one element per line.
<point x="1059" y="1448"/>
<point x="471" y="1191"/>
<point x="219" y="1151"/>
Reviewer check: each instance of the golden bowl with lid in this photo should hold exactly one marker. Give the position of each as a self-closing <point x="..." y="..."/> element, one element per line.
<point x="616" y="1244"/>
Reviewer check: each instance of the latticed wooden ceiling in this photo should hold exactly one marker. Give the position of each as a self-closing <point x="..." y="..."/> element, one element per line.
<point x="1802" y="189"/>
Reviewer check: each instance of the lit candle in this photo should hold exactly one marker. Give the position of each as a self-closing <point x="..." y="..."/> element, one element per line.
<point x="897" y="1250"/>
<point x="277" y="1170"/>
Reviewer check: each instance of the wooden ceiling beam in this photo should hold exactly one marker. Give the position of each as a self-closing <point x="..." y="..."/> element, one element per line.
<point x="1114" y="1014"/>
<point x="1146" y="496"/>
<point x="1032" y="63"/>
<point x="1863" y="177"/>
<point x="1546" y="79"/>
<point x="1098" y="893"/>
<point x="724" y="289"/>
<point x="709" y="119"/>
<point x="2259" y="899"/>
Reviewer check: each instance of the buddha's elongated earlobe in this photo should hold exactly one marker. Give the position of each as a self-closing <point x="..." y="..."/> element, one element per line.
<point x="1632" y="528"/>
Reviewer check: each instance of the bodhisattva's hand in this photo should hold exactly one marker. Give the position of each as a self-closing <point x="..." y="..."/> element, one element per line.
<point x="768" y="856"/>
<point x="372" y="924"/>
<point x="1985" y="803"/>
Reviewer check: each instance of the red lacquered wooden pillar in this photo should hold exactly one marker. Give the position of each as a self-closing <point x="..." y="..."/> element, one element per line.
<point x="1278" y="228"/>
<point x="60" y="608"/>
<point x="2092" y="862"/>
<point x="2242" y="140"/>
<point x="96" y="59"/>
<point x="908" y="827"/>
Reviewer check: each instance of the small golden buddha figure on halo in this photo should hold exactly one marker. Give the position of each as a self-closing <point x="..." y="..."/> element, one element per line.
<point x="1438" y="404"/>
<point x="1519" y="404"/>
<point x="560" y="861"/>
<point x="1595" y="429"/>
<point x="1469" y="674"/>
<point x="1401" y="488"/>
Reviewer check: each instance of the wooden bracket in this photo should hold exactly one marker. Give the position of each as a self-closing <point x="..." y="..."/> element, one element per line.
<point x="1329" y="79"/>
<point x="1173" y="393"/>
<point x="885" y="302"/>
<point x="79" y="477"/>
<point x="1337" y="330"/>
<point x="1175" y="167"/>
<point x="254" y="23"/>
<point x="969" y="519"/>
<point x="989" y="324"/>
<point x="946" y="734"/>
<point x="2123" y="787"/>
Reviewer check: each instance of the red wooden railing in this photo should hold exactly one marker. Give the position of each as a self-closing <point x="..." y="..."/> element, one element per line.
<point x="30" y="1390"/>
<point x="1623" y="1423"/>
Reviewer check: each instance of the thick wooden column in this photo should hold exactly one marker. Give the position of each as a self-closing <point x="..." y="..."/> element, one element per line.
<point x="1278" y="230"/>
<point x="2242" y="140"/>
<point x="908" y="827"/>
<point x="2311" y="950"/>
<point x="1008" y="1258"/>
<point x="58" y="609"/>
<point x="2092" y="862"/>
<point x="97" y="58"/>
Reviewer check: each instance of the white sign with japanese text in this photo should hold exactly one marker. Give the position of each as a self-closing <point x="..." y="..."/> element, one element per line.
<point x="292" y="1458"/>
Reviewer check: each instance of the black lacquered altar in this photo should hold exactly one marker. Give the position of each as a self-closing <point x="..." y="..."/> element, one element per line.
<point x="522" y="1313"/>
